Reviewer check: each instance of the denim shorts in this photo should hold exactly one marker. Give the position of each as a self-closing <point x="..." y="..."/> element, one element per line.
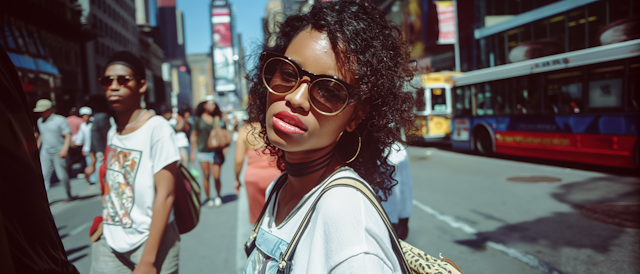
<point x="211" y="157"/>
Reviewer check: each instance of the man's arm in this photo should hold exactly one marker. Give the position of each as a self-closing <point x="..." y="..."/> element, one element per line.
<point x="38" y="140"/>
<point x="165" y="185"/>
<point x="65" y="147"/>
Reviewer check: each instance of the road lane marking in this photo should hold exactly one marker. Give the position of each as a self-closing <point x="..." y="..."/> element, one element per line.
<point x="80" y="229"/>
<point x="447" y="219"/>
<point x="514" y="253"/>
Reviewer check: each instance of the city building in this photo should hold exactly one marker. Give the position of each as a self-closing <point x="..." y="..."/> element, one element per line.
<point x="201" y="66"/>
<point x="175" y="69"/>
<point x="45" y="41"/>
<point x="151" y="53"/>
<point x="114" y="25"/>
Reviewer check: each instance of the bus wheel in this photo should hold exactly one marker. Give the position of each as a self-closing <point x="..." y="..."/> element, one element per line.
<point x="483" y="142"/>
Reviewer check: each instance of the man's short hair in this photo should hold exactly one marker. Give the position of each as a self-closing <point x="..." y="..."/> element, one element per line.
<point x="129" y="60"/>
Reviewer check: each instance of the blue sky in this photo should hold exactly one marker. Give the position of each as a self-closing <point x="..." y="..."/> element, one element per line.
<point x="248" y="22"/>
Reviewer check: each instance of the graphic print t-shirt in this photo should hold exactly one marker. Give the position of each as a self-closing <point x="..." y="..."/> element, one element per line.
<point x="132" y="160"/>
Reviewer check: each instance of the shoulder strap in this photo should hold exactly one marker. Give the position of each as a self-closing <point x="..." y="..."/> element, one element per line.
<point x="285" y="260"/>
<point x="250" y="245"/>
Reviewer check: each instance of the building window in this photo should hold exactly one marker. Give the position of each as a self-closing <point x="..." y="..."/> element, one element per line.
<point x="596" y="20"/>
<point x="8" y="35"/>
<point x="577" y="27"/>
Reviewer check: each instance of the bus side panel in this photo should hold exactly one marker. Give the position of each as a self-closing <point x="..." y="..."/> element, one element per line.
<point x="608" y="150"/>
<point x="461" y="134"/>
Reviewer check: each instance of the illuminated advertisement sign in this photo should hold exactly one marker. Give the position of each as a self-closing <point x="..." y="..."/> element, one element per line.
<point x="446" y="22"/>
<point x="223" y="63"/>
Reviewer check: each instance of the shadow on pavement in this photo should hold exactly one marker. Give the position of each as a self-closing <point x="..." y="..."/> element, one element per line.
<point x="78" y="258"/>
<point x="75" y="250"/>
<point x="609" y="236"/>
<point x="229" y="198"/>
<point x="75" y="198"/>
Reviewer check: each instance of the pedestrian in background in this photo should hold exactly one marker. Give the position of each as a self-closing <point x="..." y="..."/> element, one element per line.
<point x="399" y="204"/>
<point x="75" y="150"/>
<point x="261" y="167"/>
<point x="182" y="142"/>
<point x="139" y="231"/>
<point x="54" y="138"/>
<point x="208" y="114"/>
<point x="102" y="122"/>
<point x="329" y="97"/>
<point x="83" y="140"/>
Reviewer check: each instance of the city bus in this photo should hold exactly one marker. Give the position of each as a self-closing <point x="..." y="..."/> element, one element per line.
<point x="433" y="106"/>
<point x="580" y="106"/>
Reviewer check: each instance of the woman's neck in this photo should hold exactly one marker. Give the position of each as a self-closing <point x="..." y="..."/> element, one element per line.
<point x="301" y="185"/>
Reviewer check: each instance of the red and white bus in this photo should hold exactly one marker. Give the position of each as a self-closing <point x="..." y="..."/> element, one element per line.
<point x="580" y="106"/>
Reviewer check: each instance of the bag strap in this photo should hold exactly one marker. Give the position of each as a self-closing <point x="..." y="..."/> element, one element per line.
<point x="285" y="260"/>
<point x="276" y="188"/>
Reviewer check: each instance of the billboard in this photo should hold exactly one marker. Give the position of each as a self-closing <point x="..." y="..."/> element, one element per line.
<point x="223" y="63"/>
<point x="446" y="22"/>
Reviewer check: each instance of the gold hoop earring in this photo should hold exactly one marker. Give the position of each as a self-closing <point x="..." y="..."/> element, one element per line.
<point x="346" y="146"/>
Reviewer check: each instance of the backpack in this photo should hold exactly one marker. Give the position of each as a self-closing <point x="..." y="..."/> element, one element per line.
<point x="186" y="205"/>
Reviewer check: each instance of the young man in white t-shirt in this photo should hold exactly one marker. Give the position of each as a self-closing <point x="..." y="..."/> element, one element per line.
<point x="139" y="231"/>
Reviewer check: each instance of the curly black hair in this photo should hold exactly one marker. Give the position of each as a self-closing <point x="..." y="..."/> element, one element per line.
<point x="369" y="47"/>
<point x="200" y="109"/>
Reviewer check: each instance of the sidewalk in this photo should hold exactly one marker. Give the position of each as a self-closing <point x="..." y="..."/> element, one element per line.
<point x="80" y="189"/>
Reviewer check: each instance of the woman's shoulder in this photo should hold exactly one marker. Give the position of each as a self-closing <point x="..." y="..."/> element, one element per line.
<point x="345" y="202"/>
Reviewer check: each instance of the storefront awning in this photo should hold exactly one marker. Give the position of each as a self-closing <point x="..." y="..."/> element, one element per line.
<point x="35" y="64"/>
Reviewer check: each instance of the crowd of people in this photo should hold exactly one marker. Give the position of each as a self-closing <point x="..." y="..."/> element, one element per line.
<point x="326" y="103"/>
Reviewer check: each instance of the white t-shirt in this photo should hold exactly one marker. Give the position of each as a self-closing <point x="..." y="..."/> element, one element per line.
<point x="345" y="235"/>
<point x="83" y="137"/>
<point x="132" y="161"/>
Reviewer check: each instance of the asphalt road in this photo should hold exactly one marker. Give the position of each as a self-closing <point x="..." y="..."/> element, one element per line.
<point x="482" y="212"/>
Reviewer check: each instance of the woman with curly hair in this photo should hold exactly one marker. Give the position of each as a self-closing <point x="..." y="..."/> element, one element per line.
<point x="208" y="114"/>
<point x="328" y="96"/>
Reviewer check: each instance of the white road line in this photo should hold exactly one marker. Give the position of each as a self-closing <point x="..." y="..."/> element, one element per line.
<point x="80" y="228"/>
<point x="447" y="219"/>
<point x="521" y="256"/>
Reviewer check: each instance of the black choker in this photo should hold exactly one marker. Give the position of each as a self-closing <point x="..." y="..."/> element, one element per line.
<point x="306" y="168"/>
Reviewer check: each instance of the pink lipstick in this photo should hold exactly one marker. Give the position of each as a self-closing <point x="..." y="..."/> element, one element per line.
<point x="288" y="123"/>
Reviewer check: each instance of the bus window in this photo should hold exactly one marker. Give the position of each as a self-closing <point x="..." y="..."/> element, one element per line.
<point x="484" y="104"/>
<point x="634" y="84"/>
<point x="421" y="105"/>
<point x="564" y="92"/>
<point x="438" y="99"/>
<point x="501" y="93"/>
<point x="463" y="101"/>
<point x="605" y="87"/>
<point x="527" y="95"/>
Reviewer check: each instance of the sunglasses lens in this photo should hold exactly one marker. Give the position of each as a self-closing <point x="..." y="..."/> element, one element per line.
<point x="105" y="81"/>
<point x="328" y="96"/>
<point x="123" y="80"/>
<point x="280" y="75"/>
